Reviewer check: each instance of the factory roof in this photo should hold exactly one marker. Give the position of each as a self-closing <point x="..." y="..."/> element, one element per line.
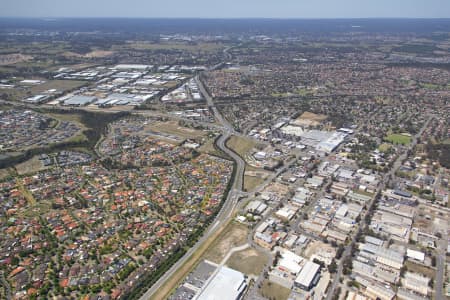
<point x="226" y="284"/>
<point x="307" y="274"/>
<point x="79" y="100"/>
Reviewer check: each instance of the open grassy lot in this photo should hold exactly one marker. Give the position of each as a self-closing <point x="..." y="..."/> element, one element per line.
<point x="241" y="145"/>
<point x="253" y="177"/>
<point x="4" y="173"/>
<point x="235" y="234"/>
<point x="75" y="118"/>
<point x="398" y="139"/>
<point x="21" y="92"/>
<point x="59" y="85"/>
<point x="208" y="148"/>
<point x="249" y="261"/>
<point x="384" y="147"/>
<point x="270" y="290"/>
<point x="78" y="138"/>
<point x="92" y="54"/>
<point x="172" y="127"/>
<point x="251" y="182"/>
<point x="309" y="116"/>
<point x="32" y="165"/>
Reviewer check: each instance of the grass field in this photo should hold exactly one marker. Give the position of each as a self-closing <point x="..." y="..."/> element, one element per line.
<point x="75" y="118"/>
<point x="384" y="147"/>
<point x="234" y="235"/>
<point x="209" y="148"/>
<point x="4" y="173"/>
<point x="21" y="92"/>
<point x="396" y="138"/>
<point x="60" y="85"/>
<point x="249" y="261"/>
<point x="241" y="145"/>
<point x="32" y="165"/>
<point x="270" y="290"/>
<point x="251" y="182"/>
<point x="312" y="117"/>
<point x="172" y="127"/>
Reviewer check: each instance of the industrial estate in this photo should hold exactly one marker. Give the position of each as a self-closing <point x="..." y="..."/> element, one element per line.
<point x="194" y="161"/>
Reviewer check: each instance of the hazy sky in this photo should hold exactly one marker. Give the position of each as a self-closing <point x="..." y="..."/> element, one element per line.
<point x="227" y="8"/>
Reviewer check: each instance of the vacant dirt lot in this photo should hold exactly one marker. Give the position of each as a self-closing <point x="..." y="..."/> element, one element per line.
<point x="249" y="261"/>
<point x="234" y="235"/>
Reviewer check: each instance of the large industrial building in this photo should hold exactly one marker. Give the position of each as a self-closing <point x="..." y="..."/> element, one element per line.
<point x="79" y="100"/>
<point x="308" y="276"/>
<point x="225" y="284"/>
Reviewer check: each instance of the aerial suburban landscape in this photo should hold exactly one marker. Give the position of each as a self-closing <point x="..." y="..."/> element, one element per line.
<point x="224" y="159"/>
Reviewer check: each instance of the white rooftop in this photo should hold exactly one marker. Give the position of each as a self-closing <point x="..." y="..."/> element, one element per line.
<point x="227" y="284"/>
<point x="307" y="274"/>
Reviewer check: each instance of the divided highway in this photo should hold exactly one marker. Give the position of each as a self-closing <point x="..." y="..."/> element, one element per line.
<point x="229" y="205"/>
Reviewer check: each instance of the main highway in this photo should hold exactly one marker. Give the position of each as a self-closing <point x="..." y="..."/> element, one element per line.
<point x="226" y="212"/>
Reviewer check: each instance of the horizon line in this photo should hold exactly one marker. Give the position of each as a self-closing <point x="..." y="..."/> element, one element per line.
<point x="224" y="18"/>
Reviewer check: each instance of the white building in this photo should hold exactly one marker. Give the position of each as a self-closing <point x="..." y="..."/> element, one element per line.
<point x="416" y="283"/>
<point x="308" y="276"/>
<point x="226" y="284"/>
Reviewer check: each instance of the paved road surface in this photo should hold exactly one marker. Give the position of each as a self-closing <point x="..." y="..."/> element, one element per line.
<point x="347" y="251"/>
<point x="228" y="207"/>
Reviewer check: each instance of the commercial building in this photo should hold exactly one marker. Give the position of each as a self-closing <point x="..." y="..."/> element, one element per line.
<point x="226" y="284"/>
<point x="256" y="207"/>
<point x="384" y="256"/>
<point x="416" y="283"/>
<point x="376" y="291"/>
<point x="36" y="99"/>
<point x="415" y="255"/>
<point x="132" y="67"/>
<point x="308" y="276"/>
<point x="79" y="100"/>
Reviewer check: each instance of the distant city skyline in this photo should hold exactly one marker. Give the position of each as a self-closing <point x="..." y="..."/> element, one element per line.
<point x="227" y="9"/>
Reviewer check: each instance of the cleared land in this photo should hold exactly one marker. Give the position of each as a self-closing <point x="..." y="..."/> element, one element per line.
<point x="173" y="128"/>
<point x="270" y="290"/>
<point x="9" y="59"/>
<point x="234" y="235"/>
<point x="209" y="148"/>
<point x="310" y="119"/>
<point x="254" y="177"/>
<point x="249" y="261"/>
<point x="59" y="85"/>
<point x="21" y="92"/>
<point x="397" y="138"/>
<point x="92" y="54"/>
<point x="32" y="165"/>
<point x="3" y="173"/>
<point x="384" y="147"/>
<point x="252" y="182"/>
<point x="241" y="145"/>
<point x="75" y="118"/>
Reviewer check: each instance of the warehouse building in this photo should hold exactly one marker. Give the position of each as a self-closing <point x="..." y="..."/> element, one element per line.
<point x="226" y="284"/>
<point x="308" y="276"/>
<point x="79" y="100"/>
